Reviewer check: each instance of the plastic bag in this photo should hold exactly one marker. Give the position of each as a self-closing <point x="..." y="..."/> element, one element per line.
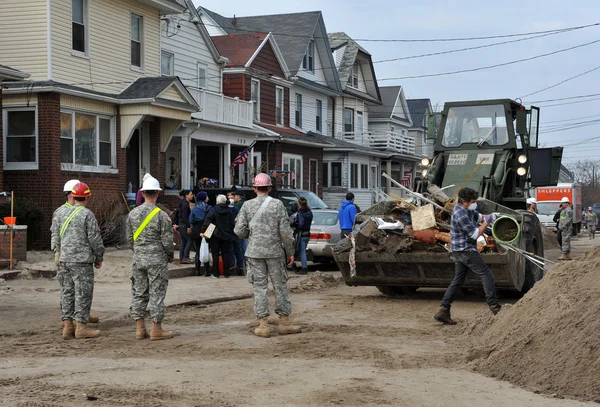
<point x="204" y="251"/>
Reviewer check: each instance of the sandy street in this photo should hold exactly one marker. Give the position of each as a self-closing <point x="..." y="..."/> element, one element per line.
<point x="358" y="348"/>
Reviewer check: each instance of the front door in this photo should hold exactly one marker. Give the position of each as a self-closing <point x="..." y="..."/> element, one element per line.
<point x="313" y="176"/>
<point x="133" y="160"/>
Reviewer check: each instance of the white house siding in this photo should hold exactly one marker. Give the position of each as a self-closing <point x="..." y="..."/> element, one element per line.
<point x="400" y="111"/>
<point x="212" y="27"/>
<point x="109" y="45"/>
<point x="361" y="80"/>
<point x="23" y="30"/>
<point x="309" y="109"/>
<point x="363" y="197"/>
<point x="189" y="49"/>
<point x="358" y="106"/>
<point x="423" y="147"/>
<point x="318" y="75"/>
<point x="338" y="55"/>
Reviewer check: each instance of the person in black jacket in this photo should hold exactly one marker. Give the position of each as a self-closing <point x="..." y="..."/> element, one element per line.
<point x="185" y="228"/>
<point x="557" y="220"/>
<point x="301" y="225"/>
<point x="221" y="241"/>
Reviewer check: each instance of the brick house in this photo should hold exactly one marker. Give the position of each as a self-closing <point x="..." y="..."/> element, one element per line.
<point x="95" y="106"/>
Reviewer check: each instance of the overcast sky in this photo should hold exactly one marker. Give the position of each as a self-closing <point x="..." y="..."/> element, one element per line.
<point x="426" y="19"/>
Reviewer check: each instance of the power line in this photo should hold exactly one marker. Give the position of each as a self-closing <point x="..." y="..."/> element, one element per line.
<point x="561" y="82"/>
<point x="565" y="98"/>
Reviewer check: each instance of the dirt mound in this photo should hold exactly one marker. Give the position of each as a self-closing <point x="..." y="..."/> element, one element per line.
<point x="316" y="281"/>
<point x="550" y="241"/>
<point x="549" y="340"/>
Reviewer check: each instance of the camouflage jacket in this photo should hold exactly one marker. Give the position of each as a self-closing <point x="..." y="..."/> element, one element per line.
<point x="591" y="219"/>
<point x="81" y="241"/>
<point x="566" y="219"/>
<point x="267" y="235"/>
<point x="54" y="229"/>
<point x="155" y="244"/>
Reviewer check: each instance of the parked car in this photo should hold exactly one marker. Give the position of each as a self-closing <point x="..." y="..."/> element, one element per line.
<point x="324" y="235"/>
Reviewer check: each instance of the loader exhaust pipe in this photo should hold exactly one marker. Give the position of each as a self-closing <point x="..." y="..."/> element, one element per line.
<point x="506" y="229"/>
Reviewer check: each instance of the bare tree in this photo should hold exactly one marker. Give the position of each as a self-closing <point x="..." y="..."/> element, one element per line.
<point x="587" y="174"/>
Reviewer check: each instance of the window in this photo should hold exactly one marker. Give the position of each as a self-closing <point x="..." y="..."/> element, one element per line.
<point x="255" y="96"/>
<point x="348" y="121"/>
<point x="298" y="110"/>
<point x="20" y="145"/>
<point x="325" y="175"/>
<point x="353" y="175"/>
<point x="86" y="139"/>
<point x="293" y="164"/>
<point x="319" y="115"/>
<point x="279" y="106"/>
<point x="167" y="62"/>
<point x="364" y="176"/>
<point x="79" y="28"/>
<point x="308" y="62"/>
<point x="336" y="174"/>
<point x="137" y="35"/>
<point x="202" y="70"/>
<point x="353" y="78"/>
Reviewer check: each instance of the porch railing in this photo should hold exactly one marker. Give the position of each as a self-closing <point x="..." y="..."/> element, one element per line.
<point x="385" y="141"/>
<point x="219" y="108"/>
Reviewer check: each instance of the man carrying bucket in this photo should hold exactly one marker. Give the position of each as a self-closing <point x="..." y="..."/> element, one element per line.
<point x="463" y="234"/>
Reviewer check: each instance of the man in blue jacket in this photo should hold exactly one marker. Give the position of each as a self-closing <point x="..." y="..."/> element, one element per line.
<point x="346" y="213"/>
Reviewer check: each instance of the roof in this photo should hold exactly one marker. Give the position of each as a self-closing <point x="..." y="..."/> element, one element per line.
<point x="347" y="146"/>
<point x="6" y="72"/>
<point x="418" y="111"/>
<point x="292" y="135"/>
<point x="238" y="48"/>
<point x="389" y="96"/>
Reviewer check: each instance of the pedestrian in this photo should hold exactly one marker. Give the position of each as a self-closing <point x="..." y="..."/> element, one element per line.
<point x="239" y="199"/>
<point x="68" y="191"/>
<point x="221" y="240"/>
<point x="184" y="227"/>
<point x="565" y="228"/>
<point x="264" y="222"/>
<point x="302" y="223"/>
<point x="238" y="245"/>
<point x="463" y="235"/>
<point x="591" y="222"/>
<point x="81" y="249"/>
<point x="532" y="205"/>
<point x="139" y="197"/>
<point x="150" y="234"/>
<point x="197" y="217"/>
<point x="347" y="213"/>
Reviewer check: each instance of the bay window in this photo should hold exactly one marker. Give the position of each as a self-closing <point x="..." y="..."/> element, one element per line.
<point x="86" y="139"/>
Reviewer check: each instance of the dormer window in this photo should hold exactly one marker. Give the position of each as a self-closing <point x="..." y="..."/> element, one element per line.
<point x="308" y="62"/>
<point x="353" y="78"/>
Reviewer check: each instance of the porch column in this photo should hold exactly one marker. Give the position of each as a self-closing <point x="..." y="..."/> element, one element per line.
<point x="388" y="171"/>
<point x="186" y="157"/>
<point x="226" y="181"/>
<point x="402" y="168"/>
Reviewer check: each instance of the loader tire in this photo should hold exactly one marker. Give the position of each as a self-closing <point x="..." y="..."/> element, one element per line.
<point x="395" y="290"/>
<point x="534" y="243"/>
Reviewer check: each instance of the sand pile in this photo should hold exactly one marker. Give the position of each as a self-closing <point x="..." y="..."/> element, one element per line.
<point x="550" y="340"/>
<point x="550" y="241"/>
<point x="316" y="281"/>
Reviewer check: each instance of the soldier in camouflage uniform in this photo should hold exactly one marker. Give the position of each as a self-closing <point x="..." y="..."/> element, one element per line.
<point x="264" y="222"/>
<point x="149" y="231"/>
<point x="591" y="221"/>
<point x="81" y="249"/>
<point x="67" y="190"/>
<point x="565" y="228"/>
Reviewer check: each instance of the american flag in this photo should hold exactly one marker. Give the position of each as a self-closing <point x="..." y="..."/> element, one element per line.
<point x="242" y="156"/>
<point x="407" y="179"/>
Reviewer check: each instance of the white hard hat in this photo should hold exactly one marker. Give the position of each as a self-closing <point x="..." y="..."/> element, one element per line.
<point x="70" y="184"/>
<point x="151" y="184"/>
<point x="565" y="199"/>
<point x="146" y="176"/>
<point x="589" y="208"/>
<point x="531" y="201"/>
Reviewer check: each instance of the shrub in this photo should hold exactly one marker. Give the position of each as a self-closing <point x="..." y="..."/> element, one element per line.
<point x="109" y="211"/>
<point x="27" y="213"/>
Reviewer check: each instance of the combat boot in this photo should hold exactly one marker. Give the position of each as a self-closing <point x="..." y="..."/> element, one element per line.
<point x="68" y="331"/>
<point x="568" y="256"/>
<point x="83" y="332"/>
<point x="285" y="326"/>
<point x="443" y="315"/>
<point x="563" y="256"/>
<point x="263" y="328"/>
<point x="92" y="319"/>
<point x="140" y="329"/>
<point x="158" y="333"/>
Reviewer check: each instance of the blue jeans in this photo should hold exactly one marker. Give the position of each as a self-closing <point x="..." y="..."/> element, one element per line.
<point x="303" y="243"/>
<point x="186" y="243"/>
<point x="238" y="251"/>
<point x="465" y="261"/>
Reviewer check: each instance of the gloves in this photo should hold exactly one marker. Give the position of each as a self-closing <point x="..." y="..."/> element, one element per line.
<point x="489" y="219"/>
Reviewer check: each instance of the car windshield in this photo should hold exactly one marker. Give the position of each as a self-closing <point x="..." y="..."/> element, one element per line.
<point x="547" y="208"/>
<point x="314" y="202"/>
<point x="475" y="124"/>
<point x="325" y="218"/>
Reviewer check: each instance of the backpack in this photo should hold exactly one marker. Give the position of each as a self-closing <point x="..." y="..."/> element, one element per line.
<point x="175" y="216"/>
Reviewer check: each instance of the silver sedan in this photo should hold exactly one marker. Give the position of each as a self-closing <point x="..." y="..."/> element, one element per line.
<point x="325" y="233"/>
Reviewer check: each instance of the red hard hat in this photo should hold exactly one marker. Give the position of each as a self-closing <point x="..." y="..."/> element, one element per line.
<point x="81" y="190"/>
<point x="262" y="180"/>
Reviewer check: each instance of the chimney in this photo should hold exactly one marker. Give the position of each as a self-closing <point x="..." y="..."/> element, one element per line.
<point x="234" y="21"/>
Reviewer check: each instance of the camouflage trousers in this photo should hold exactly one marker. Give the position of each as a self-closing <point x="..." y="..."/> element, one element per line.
<point x="149" y="288"/>
<point x="591" y="227"/>
<point x="259" y="271"/>
<point x="77" y="290"/>
<point x="565" y="236"/>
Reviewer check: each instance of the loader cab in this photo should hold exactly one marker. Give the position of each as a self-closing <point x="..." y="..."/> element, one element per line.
<point x="492" y="147"/>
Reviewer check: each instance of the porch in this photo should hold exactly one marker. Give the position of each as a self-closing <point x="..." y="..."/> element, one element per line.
<point x="218" y="108"/>
<point x="388" y="141"/>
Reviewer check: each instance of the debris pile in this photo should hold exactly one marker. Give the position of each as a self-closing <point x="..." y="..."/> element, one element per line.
<point x="316" y="281"/>
<point x="549" y="340"/>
